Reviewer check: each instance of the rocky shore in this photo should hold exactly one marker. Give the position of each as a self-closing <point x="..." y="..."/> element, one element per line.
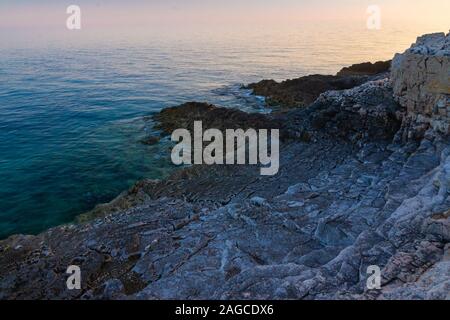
<point x="305" y="90"/>
<point x="364" y="180"/>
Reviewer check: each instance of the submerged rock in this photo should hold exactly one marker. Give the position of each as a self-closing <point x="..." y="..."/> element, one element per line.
<point x="151" y="140"/>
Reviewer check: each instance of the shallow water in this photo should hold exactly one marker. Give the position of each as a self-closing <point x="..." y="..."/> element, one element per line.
<point x="71" y="108"/>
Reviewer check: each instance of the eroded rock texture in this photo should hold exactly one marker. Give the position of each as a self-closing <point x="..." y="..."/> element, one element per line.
<point x="358" y="192"/>
<point x="421" y="82"/>
<point x="183" y="116"/>
<point x="302" y="91"/>
<point x="305" y="90"/>
<point x="366" y="68"/>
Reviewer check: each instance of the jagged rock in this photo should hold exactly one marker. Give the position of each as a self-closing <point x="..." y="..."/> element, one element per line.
<point x="302" y="91"/>
<point x="366" y="68"/>
<point x="183" y="116"/>
<point x="359" y="114"/>
<point x="421" y="83"/>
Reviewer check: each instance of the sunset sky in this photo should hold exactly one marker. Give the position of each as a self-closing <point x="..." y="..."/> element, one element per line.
<point x="141" y="13"/>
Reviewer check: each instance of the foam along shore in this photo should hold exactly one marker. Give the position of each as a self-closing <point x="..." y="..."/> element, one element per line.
<point x="363" y="181"/>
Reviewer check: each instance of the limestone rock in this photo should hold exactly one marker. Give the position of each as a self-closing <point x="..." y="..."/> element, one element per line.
<point x="421" y="82"/>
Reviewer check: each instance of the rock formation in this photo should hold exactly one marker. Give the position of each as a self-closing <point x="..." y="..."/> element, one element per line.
<point x="421" y="82"/>
<point x="370" y="186"/>
<point x="303" y="91"/>
<point x="183" y="116"/>
<point x="366" y="68"/>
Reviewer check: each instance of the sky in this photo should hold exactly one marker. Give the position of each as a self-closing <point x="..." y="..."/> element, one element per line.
<point x="23" y="14"/>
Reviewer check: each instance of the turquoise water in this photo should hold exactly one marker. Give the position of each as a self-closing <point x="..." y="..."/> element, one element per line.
<point x="72" y="109"/>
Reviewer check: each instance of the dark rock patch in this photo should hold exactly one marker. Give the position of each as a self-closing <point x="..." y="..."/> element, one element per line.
<point x="151" y="140"/>
<point x="366" y="68"/>
<point x="305" y="90"/>
<point x="302" y="91"/>
<point x="183" y="117"/>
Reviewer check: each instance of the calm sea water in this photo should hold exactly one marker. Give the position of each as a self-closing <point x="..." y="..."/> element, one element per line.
<point x="71" y="106"/>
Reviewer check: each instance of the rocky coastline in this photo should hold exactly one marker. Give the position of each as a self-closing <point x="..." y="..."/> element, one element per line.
<point x="303" y="91"/>
<point x="364" y="180"/>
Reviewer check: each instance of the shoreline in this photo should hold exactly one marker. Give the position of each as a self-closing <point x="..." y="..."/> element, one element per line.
<point x="153" y="139"/>
<point x="363" y="181"/>
<point x="171" y="118"/>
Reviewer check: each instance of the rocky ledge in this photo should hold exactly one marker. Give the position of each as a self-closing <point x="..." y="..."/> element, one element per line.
<point x="363" y="181"/>
<point x="303" y="91"/>
<point x="421" y="83"/>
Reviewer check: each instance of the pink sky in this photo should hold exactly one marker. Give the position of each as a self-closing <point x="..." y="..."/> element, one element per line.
<point x="116" y="14"/>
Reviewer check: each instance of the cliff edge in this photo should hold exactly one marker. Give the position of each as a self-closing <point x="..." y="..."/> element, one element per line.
<point x="421" y="82"/>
